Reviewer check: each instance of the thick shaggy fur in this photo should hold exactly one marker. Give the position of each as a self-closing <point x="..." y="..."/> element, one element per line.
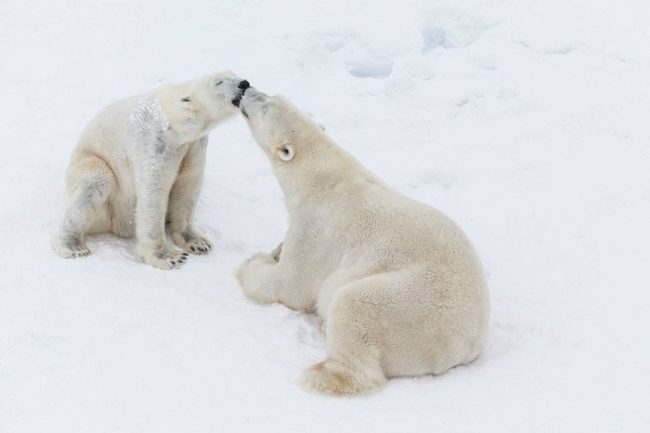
<point x="398" y="285"/>
<point x="139" y="163"/>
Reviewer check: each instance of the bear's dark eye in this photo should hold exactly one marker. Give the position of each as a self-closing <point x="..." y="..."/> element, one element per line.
<point x="218" y="82"/>
<point x="186" y="99"/>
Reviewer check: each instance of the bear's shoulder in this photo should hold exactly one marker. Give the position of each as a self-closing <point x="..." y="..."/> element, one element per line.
<point x="147" y="113"/>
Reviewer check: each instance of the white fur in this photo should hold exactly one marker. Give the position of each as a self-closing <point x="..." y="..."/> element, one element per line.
<point x="397" y="284"/>
<point x="139" y="163"/>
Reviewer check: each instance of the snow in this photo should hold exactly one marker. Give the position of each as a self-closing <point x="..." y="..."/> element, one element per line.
<point x="525" y="121"/>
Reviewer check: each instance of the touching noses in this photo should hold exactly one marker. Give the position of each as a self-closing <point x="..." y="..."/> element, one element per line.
<point x="243" y="85"/>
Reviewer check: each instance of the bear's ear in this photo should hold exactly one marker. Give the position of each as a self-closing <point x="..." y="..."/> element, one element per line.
<point x="285" y="152"/>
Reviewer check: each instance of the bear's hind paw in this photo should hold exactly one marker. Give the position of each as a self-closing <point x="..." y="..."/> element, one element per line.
<point x="70" y="247"/>
<point x="336" y="378"/>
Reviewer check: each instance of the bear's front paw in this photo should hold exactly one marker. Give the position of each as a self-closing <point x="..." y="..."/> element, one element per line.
<point x="192" y="242"/>
<point x="165" y="259"/>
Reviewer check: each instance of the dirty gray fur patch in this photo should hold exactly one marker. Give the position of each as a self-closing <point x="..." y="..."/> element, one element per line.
<point x="73" y="242"/>
<point x="92" y="194"/>
<point x="160" y="143"/>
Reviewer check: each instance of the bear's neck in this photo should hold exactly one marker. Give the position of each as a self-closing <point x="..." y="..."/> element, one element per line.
<point x="322" y="174"/>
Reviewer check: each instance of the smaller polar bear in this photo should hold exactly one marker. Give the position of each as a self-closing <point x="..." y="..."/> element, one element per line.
<point x="139" y="164"/>
<point x="399" y="287"/>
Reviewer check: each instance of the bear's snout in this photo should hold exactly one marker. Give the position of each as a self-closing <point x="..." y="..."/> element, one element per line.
<point x="242" y="86"/>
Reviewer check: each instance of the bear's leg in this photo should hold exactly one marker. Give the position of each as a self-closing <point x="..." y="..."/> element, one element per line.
<point x="91" y="184"/>
<point x="353" y="347"/>
<point x="183" y="199"/>
<point x="155" y="170"/>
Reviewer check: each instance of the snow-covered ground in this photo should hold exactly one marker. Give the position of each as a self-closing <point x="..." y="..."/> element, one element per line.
<point x="528" y="122"/>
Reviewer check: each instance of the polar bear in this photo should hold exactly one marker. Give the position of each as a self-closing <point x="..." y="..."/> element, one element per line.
<point x="398" y="286"/>
<point x="139" y="164"/>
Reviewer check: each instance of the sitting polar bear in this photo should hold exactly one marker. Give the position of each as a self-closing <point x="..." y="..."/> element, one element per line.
<point x="398" y="285"/>
<point x="139" y="163"/>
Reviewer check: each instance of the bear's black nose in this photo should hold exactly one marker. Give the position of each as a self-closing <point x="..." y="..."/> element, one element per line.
<point x="244" y="85"/>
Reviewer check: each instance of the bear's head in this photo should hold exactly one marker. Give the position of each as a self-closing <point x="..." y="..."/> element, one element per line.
<point x="194" y="107"/>
<point x="281" y="130"/>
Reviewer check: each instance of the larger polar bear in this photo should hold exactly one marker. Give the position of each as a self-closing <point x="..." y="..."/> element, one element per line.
<point x="397" y="284"/>
<point x="139" y="164"/>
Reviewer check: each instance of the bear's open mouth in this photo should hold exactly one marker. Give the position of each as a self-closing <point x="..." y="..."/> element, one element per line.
<point x="236" y="100"/>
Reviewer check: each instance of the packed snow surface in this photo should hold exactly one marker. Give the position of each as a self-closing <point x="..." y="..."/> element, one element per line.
<point x="528" y="122"/>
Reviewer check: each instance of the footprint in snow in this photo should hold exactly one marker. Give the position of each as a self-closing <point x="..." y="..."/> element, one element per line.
<point x="450" y="29"/>
<point x="377" y="67"/>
